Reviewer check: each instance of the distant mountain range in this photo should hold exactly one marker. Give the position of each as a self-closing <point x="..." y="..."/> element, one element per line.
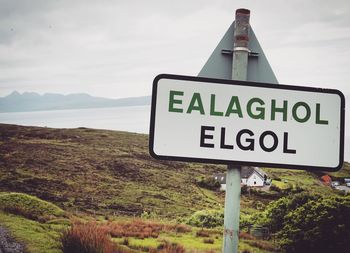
<point x="31" y="101"/>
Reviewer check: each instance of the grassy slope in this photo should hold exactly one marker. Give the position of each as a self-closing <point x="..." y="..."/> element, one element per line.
<point x="309" y="181"/>
<point x="38" y="237"/>
<point x="343" y="173"/>
<point x="107" y="172"/>
<point x="34" y="222"/>
<point x="111" y="172"/>
<point x="99" y="171"/>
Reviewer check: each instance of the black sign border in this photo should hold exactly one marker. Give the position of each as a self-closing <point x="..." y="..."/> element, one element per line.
<point x="252" y="84"/>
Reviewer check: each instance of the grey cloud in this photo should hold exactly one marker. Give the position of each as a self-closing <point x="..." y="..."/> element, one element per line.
<point x="104" y="42"/>
<point x="19" y="18"/>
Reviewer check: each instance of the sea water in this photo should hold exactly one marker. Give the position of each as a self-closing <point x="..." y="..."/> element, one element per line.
<point x="130" y="118"/>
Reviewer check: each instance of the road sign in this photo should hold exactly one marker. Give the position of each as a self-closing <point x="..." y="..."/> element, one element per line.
<point x="245" y="123"/>
<point x="219" y="64"/>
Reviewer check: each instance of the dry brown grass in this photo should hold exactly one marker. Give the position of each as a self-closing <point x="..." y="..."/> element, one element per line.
<point x="244" y="235"/>
<point x="143" y="229"/>
<point x="262" y="245"/>
<point x="86" y="238"/>
<point x="91" y="237"/>
<point x="167" y="247"/>
<point x="208" y="240"/>
<point x="202" y="233"/>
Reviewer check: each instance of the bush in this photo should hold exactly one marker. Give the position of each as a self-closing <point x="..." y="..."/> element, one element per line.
<point x="246" y="220"/>
<point x="208" y="240"/>
<point x="182" y="228"/>
<point x="29" y="206"/>
<point x="86" y="238"/>
<point x="148" y="215"/>
<point x="208" y="183"/>
<point x="202" y="233"/>
<point x="207" y="218"/>
<point x="167" y="247"/>
<point x="143" y="229"/>
<point x="246" y="236"/>
<point x="244" y="189"/>
<point x="274" y="214"/>
<point x="309" y="223"/>
<point x="125" y="241"/>
<point x="297" y="189"/>
<point x="264" y="245"/>
<point x="275" y="188"/>
<point x="321" y="225"/>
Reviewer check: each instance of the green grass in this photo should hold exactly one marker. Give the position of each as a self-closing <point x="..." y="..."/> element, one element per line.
<point x="344" y="172"/>
<point x="280" y="184"/>
<point x="142" y="243"/>
<point x="38" y="238"/>
<point x="191" y="242"/>
<point x="110" y="174"/>
<point x="100" y="172"/>
<point x="309" y="181"/>
<point x="29" y="206"/>
<point x="245" y="245"/>
<point x="104" y="172"/>
<point x="188" y="240"/>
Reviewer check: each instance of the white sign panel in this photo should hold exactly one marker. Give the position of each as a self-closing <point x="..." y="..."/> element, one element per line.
<point x="244" y="123"/>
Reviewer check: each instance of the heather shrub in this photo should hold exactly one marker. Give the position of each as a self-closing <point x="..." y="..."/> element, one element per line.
<point x="207" y="218"/>
<point x="143" y="229"/>
<point x="307" y="223"/>
<point x="182" y="228"/>
<point x="275" y="188"/>
<point x="264" y="245"/>
<point x="202" y="233"/>
<point x="86" y="238"/>
<point x="246" y="236"/>
<point x="208" y="240"/>
<point x="167" y="247"/>
<point x="208" y="183"/>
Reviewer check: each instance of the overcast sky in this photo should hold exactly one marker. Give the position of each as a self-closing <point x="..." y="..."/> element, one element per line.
<point x="116" y="48"/>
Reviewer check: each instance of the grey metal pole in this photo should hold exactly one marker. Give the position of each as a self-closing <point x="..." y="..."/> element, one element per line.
<point x="233" y="177"/>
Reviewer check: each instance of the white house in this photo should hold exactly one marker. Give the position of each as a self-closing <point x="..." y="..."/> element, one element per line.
<point x="253" y="176"/>
<point x="250" y="176"/>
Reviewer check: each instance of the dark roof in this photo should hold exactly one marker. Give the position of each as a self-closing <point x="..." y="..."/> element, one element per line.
<point x="260" y="172"/>
<point x="246" y="171"/>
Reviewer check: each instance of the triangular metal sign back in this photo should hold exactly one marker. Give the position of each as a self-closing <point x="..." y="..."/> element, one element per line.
<point x="219" y="64"/>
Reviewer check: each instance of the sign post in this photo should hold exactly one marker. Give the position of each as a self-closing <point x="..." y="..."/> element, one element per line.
<point x="233" y="177"/>
<point x="244" y="123"/>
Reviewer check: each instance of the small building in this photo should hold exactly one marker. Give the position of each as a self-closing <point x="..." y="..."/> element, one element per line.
<point x="250" y="176"/>
<point x="326" y="179"/>
<point x="253" y="176"/>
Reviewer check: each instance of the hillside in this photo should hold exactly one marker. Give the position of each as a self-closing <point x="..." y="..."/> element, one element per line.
<point x="104" y="176"/>
<point x="31" y="101"/>
<point x="99" y="172"/>
<point x="111" y="172"/>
